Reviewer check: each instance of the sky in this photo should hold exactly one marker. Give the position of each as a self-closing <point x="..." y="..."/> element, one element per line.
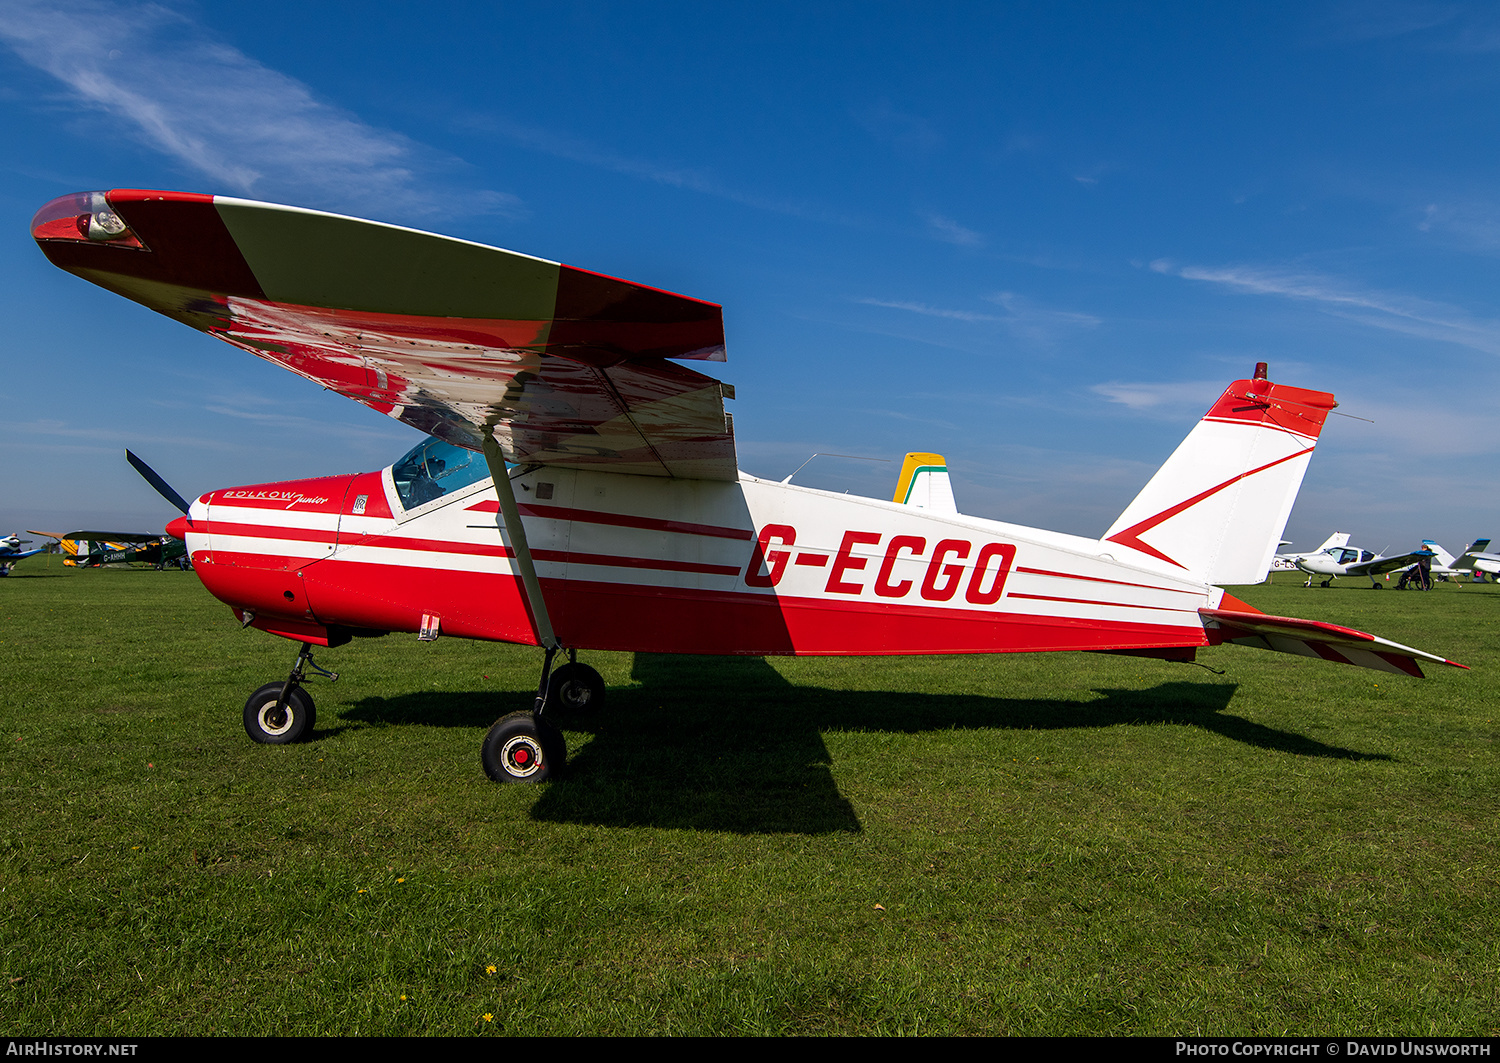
<point x="1038" y="238"/>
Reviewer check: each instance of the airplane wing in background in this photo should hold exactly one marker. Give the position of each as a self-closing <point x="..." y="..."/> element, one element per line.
<point x="1381" y="565"/>
<point x="568" y="367"/>
<point x="112" y="537"/>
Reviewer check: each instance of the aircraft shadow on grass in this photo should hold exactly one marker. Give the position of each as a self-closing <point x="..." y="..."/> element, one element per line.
<point x="727" y="744"/>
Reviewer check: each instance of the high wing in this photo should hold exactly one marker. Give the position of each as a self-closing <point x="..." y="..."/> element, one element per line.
<point x="112" y="537"/>
<point x="565" y="367"/>
<point x="1381" y="565"/>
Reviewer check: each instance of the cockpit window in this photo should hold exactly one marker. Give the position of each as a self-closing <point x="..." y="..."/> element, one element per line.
<point x="432" y="469"/>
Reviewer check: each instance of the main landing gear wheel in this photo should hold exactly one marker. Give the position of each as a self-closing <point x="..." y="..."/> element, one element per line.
<point x="575" y="688"/>
<point x="267" y="724"/>
<point x="523" y="747"/>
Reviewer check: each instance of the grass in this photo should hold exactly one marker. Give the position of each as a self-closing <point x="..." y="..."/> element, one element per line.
<point x="1059" y="844"/>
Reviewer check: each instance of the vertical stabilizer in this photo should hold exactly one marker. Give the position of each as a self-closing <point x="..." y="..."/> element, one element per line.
<point x="1441" y="556"/>
<point x="924" y="484"/>
<point x="1217" y="508"/>
<point x="1472" y="552"/>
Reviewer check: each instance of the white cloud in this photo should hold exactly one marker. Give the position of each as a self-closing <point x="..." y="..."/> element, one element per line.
<point x="909" y="134"/>
<point x="949" y="231"/>
<point x="1419" y="427"/>
<point x="1197" y="394"/>
<point x="1026" y="318"/>
<point x="1022" y="317"/>
<point x="1384" y="310"/>
<point x="692" y="179"/>
<point x="930" y="311"/>
<point x="1474" y="222"/>
<point x="245" y="127"/>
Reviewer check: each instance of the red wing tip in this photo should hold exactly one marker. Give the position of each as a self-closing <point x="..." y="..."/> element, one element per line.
<point x="1295" y="623"/>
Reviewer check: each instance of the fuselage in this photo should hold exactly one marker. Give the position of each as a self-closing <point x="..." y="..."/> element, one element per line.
<point x="654" y="564"/>
<point x="1335" y="561"/>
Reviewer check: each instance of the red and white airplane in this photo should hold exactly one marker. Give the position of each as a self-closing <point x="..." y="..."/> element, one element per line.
<point x="580" y="488"/>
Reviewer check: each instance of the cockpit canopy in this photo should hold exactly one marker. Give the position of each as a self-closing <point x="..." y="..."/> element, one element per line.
<point x="434" y="468"/>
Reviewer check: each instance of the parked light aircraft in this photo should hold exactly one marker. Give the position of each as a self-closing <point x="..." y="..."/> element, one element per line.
<point x="1351" y="561"/>
<point x="77" y="547"/>
<point x="1475" y="559"/>
<point x="11" y="552"/>
<point x="144" y="548"/>
<point x="580" y="488"/>
<point x="119" y="548"/>
<point x="1444" y="566"/>
<point x="1288" y="561"/>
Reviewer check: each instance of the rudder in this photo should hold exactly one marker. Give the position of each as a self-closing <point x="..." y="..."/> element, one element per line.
<point x="1218" y="506"/>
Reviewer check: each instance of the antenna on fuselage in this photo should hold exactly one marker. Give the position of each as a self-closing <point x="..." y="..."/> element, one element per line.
<point x="820" y="454"/>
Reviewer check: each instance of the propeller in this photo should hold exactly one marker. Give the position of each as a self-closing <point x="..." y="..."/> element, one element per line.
<point x="162" y="487"/>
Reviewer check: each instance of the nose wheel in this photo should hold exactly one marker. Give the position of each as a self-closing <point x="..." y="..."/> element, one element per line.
<point x="274" y="720"/>
<point x="281" y="713"/>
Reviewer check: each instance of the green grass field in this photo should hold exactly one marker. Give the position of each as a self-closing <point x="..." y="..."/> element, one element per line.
<point x="1060" y="844"/>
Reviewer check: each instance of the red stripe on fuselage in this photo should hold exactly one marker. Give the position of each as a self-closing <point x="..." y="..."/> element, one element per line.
<point x="1116" y="582"/>
<point x="619" y="520"/>
<point x="1094" y="601"/>
<point x="397" y="542"/>
<point x="322" y="536"/>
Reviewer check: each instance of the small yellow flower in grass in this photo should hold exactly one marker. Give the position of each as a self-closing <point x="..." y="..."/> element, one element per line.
<point x="400" y="880"/>
<point x="490" y="969"/>
<point x="488" y="1017"/>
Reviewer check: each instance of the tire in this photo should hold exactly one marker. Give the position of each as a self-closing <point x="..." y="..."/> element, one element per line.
<point x="295" y="724"/>
<point x="523" y="747"/>
<point x="574" y="689"/>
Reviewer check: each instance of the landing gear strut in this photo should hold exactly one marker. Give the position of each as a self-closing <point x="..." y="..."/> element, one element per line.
<point x="281" y="713"/>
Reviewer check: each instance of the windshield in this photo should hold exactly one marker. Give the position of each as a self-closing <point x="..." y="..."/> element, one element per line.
<point x="432" y="469"/>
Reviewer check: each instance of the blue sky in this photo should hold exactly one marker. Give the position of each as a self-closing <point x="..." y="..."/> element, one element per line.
<point x="1038" y="238"/>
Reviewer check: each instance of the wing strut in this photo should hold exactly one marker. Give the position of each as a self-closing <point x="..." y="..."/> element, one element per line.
<point x="517" y="534"/>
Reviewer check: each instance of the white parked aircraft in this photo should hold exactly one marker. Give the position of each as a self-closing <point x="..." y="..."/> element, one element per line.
<point x="1352" y="561"/>
<point x="1474" y="560"/>
<point x="1288" y="562"/>
<point x="11" y="552"/>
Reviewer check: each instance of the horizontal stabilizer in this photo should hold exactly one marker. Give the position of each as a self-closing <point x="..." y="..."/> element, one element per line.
<point x="1313" y="638"/>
